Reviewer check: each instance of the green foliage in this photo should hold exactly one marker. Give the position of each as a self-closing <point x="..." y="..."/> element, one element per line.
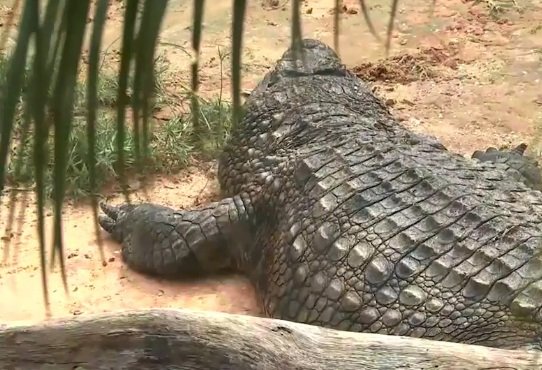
<point x="171" y="144"/>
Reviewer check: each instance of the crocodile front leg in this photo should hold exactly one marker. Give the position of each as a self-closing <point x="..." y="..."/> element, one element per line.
<point x="161" y="241"/>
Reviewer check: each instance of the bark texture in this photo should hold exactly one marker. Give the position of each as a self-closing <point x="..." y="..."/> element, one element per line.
<point x="186" y="339"/>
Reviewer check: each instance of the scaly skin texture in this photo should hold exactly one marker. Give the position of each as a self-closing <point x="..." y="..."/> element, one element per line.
<point x="343" y="218"/>
<point x="520" y="166"/>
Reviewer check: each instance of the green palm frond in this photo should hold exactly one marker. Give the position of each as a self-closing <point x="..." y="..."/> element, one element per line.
<point x="239" y="10"/>
<point x="196" y="43"/>
<point x="100" y="17"/>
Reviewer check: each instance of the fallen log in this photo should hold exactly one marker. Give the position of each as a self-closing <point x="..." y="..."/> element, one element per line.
<point x="186" y="339"/>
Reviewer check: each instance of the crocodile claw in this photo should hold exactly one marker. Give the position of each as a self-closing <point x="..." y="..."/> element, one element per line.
<point x="110" y="211"/>
<point x="108" y="222"/>
<point x="112" y="221"/>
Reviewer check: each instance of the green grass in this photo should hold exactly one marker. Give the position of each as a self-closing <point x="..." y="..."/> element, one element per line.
<point x="172" y="142"/>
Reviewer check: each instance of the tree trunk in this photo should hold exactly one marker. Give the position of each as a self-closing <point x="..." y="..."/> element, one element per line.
<point x="185" y="339"/>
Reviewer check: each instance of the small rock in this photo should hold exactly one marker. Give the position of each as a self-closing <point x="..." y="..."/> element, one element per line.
<point x="87" y="256"/>
<point x="111" y="259"/>
<point x="351" y="11"/>
<point x="104" y="263"/>
<point x="77" y="312"/>
<point x="390" y="102"/>
<point x="309" y="11"/>
<point x="7" y="237"/>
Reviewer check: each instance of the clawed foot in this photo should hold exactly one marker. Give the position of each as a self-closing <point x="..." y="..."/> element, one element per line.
<point x="162" y="241"/>
<point x="149" y="239"/>
<point x="114" y="221"/>
<point x="124" y="221"/>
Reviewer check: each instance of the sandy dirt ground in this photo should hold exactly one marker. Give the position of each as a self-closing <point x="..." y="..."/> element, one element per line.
<point x="463" y="76"/>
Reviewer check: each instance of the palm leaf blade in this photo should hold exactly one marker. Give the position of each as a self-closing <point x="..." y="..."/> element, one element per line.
<point x="196" y="44"/>
<point x="100" y="16"/>
<point x="62" y="110"/>
<point x="239" y="9"/>
<point x="122" y="95"/>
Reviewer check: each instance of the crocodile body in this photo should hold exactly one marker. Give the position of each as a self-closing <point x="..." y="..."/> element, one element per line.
<point x="344" y="218"/>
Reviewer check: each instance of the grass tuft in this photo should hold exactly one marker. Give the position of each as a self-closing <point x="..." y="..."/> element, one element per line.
<point x="171" y="143"/>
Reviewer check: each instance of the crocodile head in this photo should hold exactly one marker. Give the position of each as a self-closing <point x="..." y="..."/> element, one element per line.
<point x="313" y="58"/>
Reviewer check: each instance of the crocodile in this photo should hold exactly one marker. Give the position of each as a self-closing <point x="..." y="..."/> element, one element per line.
<point x="343" y="218"/>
